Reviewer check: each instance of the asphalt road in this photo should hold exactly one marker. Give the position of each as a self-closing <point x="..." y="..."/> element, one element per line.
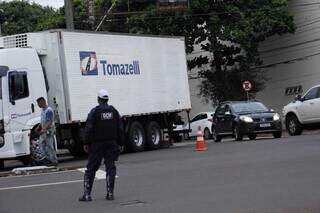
<point x="261" y="176"/>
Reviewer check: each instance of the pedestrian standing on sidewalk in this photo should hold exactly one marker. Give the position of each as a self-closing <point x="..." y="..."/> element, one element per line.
<point x="104" y="139"/>
<point x="46" y="130"/>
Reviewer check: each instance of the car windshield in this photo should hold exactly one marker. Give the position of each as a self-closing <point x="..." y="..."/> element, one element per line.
<point x="249" y="107"/>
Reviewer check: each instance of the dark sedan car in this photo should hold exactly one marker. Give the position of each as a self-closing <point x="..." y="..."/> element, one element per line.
<point x="245" y="118"/>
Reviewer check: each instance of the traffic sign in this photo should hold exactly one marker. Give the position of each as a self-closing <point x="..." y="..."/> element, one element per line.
<point x="247" y="86"/>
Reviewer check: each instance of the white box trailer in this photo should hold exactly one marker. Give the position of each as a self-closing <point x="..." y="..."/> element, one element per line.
<point x="146" y="77"/>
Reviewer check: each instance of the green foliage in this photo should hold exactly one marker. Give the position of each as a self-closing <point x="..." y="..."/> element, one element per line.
<point x="230" y="31"/>
<point x="21" y="17"/>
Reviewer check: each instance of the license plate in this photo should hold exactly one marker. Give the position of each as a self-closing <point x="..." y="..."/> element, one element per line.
<point x="265" y="125"/>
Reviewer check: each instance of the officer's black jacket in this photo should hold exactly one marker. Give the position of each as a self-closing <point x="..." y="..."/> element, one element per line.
<point x="104" y="124"/>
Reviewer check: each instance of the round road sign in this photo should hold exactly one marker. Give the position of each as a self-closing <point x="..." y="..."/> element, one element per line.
<point x="247" y="86"/>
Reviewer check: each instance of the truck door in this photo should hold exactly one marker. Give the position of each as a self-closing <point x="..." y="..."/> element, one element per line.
<point x="20" y="101"/>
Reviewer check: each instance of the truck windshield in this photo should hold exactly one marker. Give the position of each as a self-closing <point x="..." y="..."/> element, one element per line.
<point x="249" y="107"/>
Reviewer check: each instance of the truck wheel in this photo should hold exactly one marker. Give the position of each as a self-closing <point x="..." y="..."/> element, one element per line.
<point x="153" y="135"/>
<point x="137" y="137"/>
<point x="237" y="134"/>
<point x="30" y="160"/>
<point x="206" y="134"/>
<point x="76" y="149"/>
<point x="75" y="145"/>
<point x="293" y="125"/>
<point x="1" y="164"/>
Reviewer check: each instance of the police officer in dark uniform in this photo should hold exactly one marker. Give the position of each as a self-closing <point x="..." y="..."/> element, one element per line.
<point x="104" y="138"/>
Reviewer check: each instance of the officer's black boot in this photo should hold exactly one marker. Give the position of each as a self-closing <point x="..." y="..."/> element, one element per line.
<point x="110" y="180"/>
<point x="110" y="187"/>
<point x="87" y="186"/>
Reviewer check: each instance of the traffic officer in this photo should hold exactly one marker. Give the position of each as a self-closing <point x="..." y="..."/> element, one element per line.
<point x="104" y="138"/>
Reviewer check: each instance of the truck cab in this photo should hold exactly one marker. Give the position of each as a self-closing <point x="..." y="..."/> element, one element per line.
<point x="21" y="83"/>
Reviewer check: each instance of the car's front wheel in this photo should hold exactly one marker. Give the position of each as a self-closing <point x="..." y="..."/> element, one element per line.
<point x="293" y="125"/>
<point x="277" y="134"/>
<point x="238" y="136"/>
<point x="206" y="134"/>
<point x="215" y="136"/>
<point x="252" y="136"/>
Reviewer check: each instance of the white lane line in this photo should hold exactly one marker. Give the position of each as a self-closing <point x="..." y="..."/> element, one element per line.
<point x="40" y="174"/>
<point x="39" y="185"/>
<point x="100" y="174"/>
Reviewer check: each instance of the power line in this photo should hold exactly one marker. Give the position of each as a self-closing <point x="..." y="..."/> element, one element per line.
<point x="287" y="61"/>
<point x="292" y="45"/>
<point x="295" y="50"/>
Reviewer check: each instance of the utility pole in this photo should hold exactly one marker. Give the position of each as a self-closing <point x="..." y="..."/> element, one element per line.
<point x="68" y="5"/>
<point x="90" y="4"/>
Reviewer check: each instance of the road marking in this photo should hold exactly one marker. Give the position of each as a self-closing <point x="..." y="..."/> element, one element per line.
<point x="39" y="185"/>
<point x="100" y="174"/>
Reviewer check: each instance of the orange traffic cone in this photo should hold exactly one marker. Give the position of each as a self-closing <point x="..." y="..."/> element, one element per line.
<point x="200" y="144"/>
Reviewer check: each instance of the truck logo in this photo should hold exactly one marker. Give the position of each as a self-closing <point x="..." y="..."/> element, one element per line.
<point x="88" y="63"/>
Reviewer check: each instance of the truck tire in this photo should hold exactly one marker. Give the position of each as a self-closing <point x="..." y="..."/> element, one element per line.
<point x="136" y="137"/>
<point x="29" y="160"/>
<point x="293" y="125"/>
<point x="153" y="135"/>
<point x="76" y="149"/>
<point x="75" y="146"/>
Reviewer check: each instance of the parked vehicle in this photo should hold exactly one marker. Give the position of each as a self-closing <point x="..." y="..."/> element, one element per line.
<point x="69" y="68"/>
<point x="242" y="118"/>
<point x="303" y="112"/>
<point x="204" y="120"/>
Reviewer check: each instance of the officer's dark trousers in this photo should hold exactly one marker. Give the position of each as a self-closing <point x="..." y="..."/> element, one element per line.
<point x="104" y="150"/>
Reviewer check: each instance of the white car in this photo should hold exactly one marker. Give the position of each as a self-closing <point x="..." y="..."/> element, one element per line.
<point x="204" y="120"/>
<point x="304" y="111"/>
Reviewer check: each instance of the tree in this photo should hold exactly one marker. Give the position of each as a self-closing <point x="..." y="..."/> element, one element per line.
<point x="230" y="31"/>
<point x="21" y="17"/>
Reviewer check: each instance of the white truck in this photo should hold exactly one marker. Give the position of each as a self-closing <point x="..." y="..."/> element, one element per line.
<point x="146" y="77"/>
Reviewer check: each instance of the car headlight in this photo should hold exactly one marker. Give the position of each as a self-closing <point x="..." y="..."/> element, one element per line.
<point x="246" y="119"/>
<point x="276" y="117"/>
